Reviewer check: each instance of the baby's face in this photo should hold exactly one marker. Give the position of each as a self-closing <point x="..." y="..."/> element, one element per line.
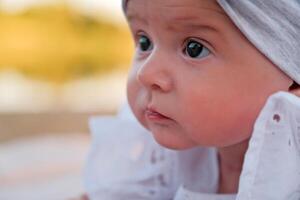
<point x="195" y="79"/>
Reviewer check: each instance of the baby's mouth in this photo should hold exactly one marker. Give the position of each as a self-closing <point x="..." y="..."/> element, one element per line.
<point x="152" y="114"/>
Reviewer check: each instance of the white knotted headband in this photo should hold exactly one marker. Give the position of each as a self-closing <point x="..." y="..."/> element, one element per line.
<point x="273" y="27"/>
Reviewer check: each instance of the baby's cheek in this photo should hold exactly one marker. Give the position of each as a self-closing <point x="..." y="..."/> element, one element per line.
<point x="217" y="123"/>
<point x="136" y="99"/>
<point x="132" y="86"/>
<point x="240" y="123"/>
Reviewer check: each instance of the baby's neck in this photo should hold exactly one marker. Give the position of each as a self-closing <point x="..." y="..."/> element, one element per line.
<point x="230" y="166"/>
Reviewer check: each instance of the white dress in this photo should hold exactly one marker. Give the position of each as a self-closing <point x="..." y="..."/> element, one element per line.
<point x="125" y="163"/>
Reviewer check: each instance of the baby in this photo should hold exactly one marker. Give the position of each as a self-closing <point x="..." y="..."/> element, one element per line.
<point x="202" y="73"/>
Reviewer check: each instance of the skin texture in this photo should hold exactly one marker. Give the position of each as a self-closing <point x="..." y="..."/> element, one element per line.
<point x="210" y="101"/>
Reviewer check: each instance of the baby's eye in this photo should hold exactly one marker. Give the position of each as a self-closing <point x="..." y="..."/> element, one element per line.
<point x="195" y="49"/>
<point x="145" y="43"/>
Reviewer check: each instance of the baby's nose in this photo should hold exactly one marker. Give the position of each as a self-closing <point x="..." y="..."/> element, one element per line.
<point x="153" y="75"/>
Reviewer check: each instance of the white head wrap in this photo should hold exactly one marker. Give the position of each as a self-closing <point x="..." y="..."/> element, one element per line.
<point x="273" y="27"/>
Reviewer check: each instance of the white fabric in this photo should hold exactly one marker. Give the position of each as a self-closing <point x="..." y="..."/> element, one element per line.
<point x="126" y="163"/>
<point x="185" y="194"/>
<point x="271" y="169"/>
<point x="273" y="27"/>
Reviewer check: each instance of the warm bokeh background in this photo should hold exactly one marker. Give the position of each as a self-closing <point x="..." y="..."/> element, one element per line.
<point x="60" y="63"/>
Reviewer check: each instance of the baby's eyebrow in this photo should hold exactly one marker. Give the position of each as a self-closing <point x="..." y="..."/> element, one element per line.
<point x="190" y="26"/>
<point x="189" y="22"/>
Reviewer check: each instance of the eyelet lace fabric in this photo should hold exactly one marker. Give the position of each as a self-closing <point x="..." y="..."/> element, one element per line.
<point x="271" y="168"/>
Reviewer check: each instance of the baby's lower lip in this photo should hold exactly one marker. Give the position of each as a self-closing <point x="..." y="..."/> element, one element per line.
<point x="155" y="116"/>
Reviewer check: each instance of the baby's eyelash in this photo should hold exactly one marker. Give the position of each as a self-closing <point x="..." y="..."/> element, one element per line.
<point x="138" y="34"/>
<point x="201" y="41"/>
<point x="195" y="49"/>
<point x="143" y="42"/>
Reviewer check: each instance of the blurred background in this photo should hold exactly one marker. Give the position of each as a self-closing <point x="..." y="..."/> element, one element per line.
<point x="61" y="62"/>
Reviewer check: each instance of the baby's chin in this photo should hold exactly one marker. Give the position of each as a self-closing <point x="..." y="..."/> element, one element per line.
<point x="172" y="141"/>
<point x="175" y="146"/>
<point x="176" y="140"/>
<point x="182" y="143"/>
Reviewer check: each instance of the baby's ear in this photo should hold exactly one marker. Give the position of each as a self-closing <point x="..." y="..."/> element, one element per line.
<point x="295" y="89"/>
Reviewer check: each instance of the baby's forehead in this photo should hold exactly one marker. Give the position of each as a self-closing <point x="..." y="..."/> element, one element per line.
<point x="174" y="11"/>
<point x="201" y="4"/>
